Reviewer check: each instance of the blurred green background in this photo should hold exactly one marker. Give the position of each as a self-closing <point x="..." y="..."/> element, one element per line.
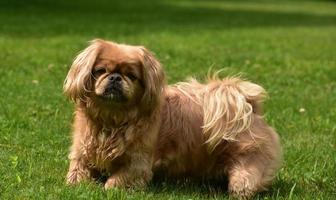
<point x="286" y="46"/>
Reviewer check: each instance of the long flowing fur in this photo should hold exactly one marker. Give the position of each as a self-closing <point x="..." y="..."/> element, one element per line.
<point x="79" y="79"/>
<point x="228" y="107"/>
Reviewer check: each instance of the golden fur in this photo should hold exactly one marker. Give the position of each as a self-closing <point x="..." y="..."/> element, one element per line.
<point x="129" y="124"/>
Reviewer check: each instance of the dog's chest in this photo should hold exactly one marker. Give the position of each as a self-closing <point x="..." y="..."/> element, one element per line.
<point x="104" y="148"/>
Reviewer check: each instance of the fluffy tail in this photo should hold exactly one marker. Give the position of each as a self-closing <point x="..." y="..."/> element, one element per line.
<point x="228" y="107"/>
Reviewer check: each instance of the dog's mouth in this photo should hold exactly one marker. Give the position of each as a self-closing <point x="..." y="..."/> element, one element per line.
<point x="114" y="93"/>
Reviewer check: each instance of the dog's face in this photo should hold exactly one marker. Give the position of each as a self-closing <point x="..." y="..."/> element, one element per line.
<point x="115" y="75"/>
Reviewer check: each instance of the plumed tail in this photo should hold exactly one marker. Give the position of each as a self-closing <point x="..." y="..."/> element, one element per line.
<point x="228" y="107"/>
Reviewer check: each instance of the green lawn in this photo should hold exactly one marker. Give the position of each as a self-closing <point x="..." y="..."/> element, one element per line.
<point x="289" y="47"/>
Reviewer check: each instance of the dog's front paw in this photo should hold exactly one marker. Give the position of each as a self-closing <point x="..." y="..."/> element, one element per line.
<point x="124" y="182"/>
<point x="112" y="182"/>
<point x="74" y="177"/>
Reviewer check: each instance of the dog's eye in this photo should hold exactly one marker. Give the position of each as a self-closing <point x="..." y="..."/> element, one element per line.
<point x="131" y="76"/>
<point x="99" y="71"/>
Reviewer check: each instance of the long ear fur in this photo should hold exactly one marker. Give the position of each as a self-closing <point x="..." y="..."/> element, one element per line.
<point x="78" y="82"/>
<point x="154" y="80"/>
<point x="228" y="109"/>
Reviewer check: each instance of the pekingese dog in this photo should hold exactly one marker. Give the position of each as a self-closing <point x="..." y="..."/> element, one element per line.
<point x="130" y="125"/>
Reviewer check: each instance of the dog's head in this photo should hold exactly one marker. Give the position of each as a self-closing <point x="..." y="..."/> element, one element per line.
<point x="115" y="75"/>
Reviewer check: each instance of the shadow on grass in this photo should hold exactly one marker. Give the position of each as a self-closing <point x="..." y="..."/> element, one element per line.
<point x="38" y="18"/>
<point x="204" y="189"/>
<point x="214" y="189"/>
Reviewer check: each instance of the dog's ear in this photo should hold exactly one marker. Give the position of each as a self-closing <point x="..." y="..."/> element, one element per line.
<point x="78" y="82"/>
<point x="154" y="79"/>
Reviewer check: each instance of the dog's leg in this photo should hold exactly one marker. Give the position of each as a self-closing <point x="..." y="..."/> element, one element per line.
<point x="77" y="172"/>
<point x="246" y="176"/>
<point x="78" y="168"/>
<point x="137" y="174"/>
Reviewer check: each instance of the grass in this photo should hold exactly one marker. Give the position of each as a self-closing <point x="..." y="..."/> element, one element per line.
<point x="286" y="46"/>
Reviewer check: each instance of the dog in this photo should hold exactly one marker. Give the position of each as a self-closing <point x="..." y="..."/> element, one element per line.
<point x="129" y="124"/>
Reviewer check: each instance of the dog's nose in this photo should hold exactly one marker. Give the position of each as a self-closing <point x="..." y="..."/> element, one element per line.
<point x="115" y="77"/>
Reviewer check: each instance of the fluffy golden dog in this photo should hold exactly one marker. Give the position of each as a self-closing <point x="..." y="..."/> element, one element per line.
<point x="130" y="125"/>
